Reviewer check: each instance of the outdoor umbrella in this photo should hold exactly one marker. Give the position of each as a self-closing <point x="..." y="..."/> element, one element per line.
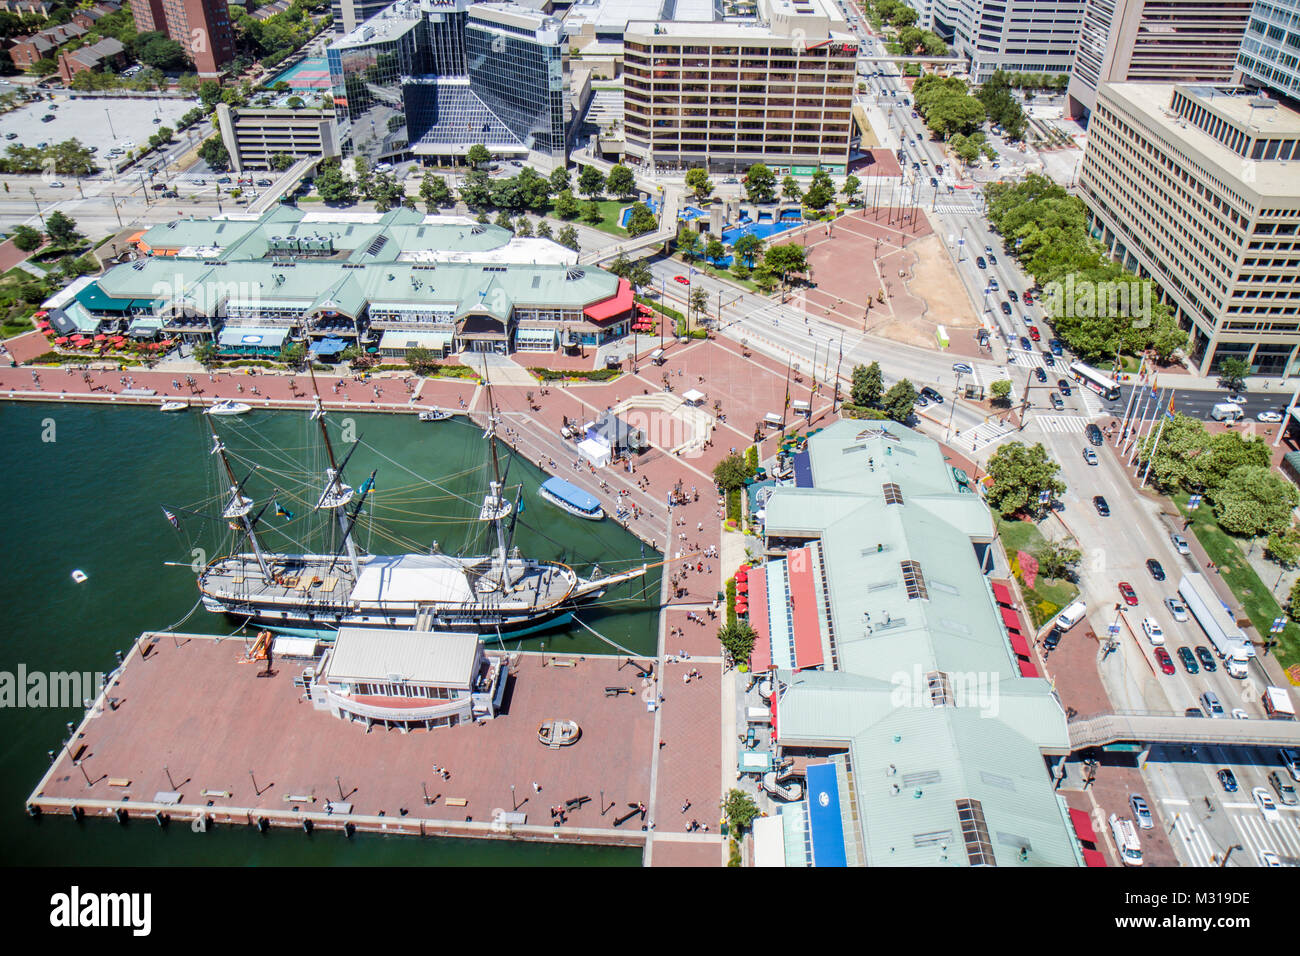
<point x="742" y="587"/>
<point x="101" y="338"/>
<point x="61" y="340"/>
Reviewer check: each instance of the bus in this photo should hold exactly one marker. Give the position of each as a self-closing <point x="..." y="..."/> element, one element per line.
<point x="1091" y="378"/>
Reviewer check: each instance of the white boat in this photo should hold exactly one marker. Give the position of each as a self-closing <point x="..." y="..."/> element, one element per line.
<point x="79" y="576"/>
<point x="174" y="406"/>
<point x="230" y="407"/>
<point x="571" y="498"/>
<point x="434" y="415"/>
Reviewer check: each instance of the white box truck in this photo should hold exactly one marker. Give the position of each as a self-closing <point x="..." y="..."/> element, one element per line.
<point x="1227" y="639"/>
<point x="1227" y="412"/>
<point x="1277" y="703"/>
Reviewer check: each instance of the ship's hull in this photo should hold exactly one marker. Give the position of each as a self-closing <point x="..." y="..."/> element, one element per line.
<point x="328" y="634"/>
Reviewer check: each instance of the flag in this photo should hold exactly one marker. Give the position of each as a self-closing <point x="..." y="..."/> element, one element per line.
<point x="282" y="512"/>
<point x="1155" y="392"/>
<point x="1169" y="412"/>
<point x="368" y="484"/>
<point x="175" y="522"/>
<point x="521" y="507"/>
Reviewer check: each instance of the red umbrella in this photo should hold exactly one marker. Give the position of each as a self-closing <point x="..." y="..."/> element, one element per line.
<point x="40" y="314"/>
<point x="61" y="340"/>
<point x="742" y="587"/>
<point x="48" y="331"/>
<point x="101" y="338"/>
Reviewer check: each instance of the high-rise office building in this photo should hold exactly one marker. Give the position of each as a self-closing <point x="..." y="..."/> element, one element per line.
<point x="433" y="78"/>
<point x="1018" y="36"/>
<point x="202" y="27"/>
<point x="1270" y="49"/>
<point x="726" y="94"/>
<point x="1195" y="188"/>
<point x="1155" y="41"/>
<point x="350" y="14"/>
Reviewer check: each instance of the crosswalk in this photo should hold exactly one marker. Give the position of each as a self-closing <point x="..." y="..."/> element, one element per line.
<point x="1060" y="423"/>
<point x="957" y="207"/>
<point x="1250" y="828"/>
<point x="985" y="435"/>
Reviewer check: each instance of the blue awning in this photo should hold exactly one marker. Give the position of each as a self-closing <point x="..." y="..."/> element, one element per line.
<point x="802" y="470"/>
<point x="572" y="494"/>
<point x="330" y="346"/>
<point x="825" y="821"/>
<point x="252" y="338"/>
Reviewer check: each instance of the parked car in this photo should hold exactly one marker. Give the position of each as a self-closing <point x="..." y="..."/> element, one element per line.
<point x="1206" y="658"/>
<point x="264" y="182"/>
<point x="1028" y="297"/>
<point x="1103" y="509"/>
<point x="932" y="395"/>
<point x="1189" y="660"/>
<point x="1165" y="661"/>
<point x="1272" y="416"/>
<point x="1141" y="812"/>
<point x="11" y="135"/>
<point x="1052" y="639"/>
<point x="1089" y="455"/>
<point x="1228" y="780"/>
<point x="1180" y="543"/>
<point x="1129" y="595"/>
<point x="1154" y="567"/>
<point x="1177" y="609"/>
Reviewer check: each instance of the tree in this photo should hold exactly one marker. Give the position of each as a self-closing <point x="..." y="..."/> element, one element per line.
<point x="421" y="360"/>
<point x="504" y="221"/>
<point x="821" y="192"/>
<point x="639" y="275"/>
<point x="1057" y="560"/>
<point x="899" y="401"/>
<point x="523" y="227"/>
<point x="868" y="385"/>
<point x="740" y="809"/>
<point x="559" y="180"/>
<point x="1019" y="475"/>
<point x="1254" y="500"/>
<point x="478" y="156"/>
<point x="591" y="182"/>
<point x="566" y="205"/>
<point x="1000" y="390"/>
<point x="1293" y="603"/>
<point x="698" y="182"/>
<point x="532" y="191"/>
<point x="715" y="250"/>
<point x="213" y="152"/>
<point x="737" y="640"/>
<point x="732" y="472"/>
<point x="760" y="184"/>
<point x="591" y="213"/>
<point x="281" y="161"/>
<point x="1233" y="371"/>
<point x="786" y="260"/>
<point x="26" y="238"/>
<point x="747" y="248"/>
<point x="434" y="192"/>
<point x="641" y="221"/>
<point x="476" y="190"/>
<point x="1284" y="546"/>
<point x="293" y="354"/>
<point x="569" y="237"/>
<point x="61" y="229"/>
<point x="699" y="303"/>
<point x="333" y="187"/>
<point x="205" y="353"/>
<point x="621" y="182"/>
<point x="850" y="190"/>
<point x="543" y="230"/>
<point x="790" y="188"/>
<point x="157" y="50"/>
<point x="209" y="93"/>
<point x="44" y="67"/>
<point x="688" y="243"/>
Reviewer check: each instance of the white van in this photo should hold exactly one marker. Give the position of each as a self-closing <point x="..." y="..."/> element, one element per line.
<point x="1072" y="615"/>
<point x="1212" y="706"/>
<point x="657" y="356"/>
<point x="1126" y="841"/>
<point x="1227" y="412"/>
<point x="758" y="715"/>
<point x="772" y="420"/>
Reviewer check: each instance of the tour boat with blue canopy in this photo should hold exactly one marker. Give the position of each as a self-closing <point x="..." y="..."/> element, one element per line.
<point x="571" y="498"/>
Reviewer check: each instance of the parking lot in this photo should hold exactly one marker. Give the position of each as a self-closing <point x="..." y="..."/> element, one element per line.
<point x="101" y="122"/>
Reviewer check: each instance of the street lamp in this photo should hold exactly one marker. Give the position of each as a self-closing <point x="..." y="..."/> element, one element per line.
<point x="40" y="215"/>
<point x="110" y="124"/>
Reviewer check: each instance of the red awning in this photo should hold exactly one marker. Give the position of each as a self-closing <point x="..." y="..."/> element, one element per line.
<point x="613" y="307"/>
<point x="803" y="610"/>
<point x="1002" y="594"/>
<point x="761" y="658"/>
<point x="1083" y="826"/>
<point x="1093" y="858"/>
<point x="1027" y="669"/>
<point x="644" y="309"/>
<point x="1011" y="619"/>
<point x="1020" y="645"/>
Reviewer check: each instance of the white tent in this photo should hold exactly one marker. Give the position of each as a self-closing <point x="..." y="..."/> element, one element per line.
<point x="693" y="397"/>
<point x="595" y="451"/>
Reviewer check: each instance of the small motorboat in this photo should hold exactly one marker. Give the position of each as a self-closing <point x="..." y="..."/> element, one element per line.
<point x="558" y="733"/>
<point x="79" y="576"/>
<point x="174" y="406"/>
<point x="434" y="415"/>
<point x="230" y="407"/>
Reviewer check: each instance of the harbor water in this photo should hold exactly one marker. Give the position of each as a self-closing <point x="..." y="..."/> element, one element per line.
<point x="88" y="491"/>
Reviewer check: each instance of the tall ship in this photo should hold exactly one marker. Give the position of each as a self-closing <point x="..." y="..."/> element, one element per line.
<point x="494" y="596"/>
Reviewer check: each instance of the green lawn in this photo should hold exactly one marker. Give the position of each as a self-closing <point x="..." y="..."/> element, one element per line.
<point x="1048" y="595"/>
<point x="1225" y="551"/>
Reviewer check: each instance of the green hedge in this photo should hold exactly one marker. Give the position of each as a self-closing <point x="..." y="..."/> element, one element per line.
<point x="733" y="504"/>
<point x="593" y="375"/>
<point x="731" y="601"/>
<point x="662" y="309"/>
<point x="751" y="458"/>
<point x="56" y="358"/>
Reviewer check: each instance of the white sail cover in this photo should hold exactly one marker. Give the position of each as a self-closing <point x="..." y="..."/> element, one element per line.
<point x="412" y="577"/>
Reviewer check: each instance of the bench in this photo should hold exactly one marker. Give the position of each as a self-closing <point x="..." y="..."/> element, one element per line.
<point x="224" y="794"/>
<point x="119" y="781"/>
<point x="456" y="802"/>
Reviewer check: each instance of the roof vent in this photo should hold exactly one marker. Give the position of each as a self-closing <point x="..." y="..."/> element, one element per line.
<point x="573" y="275"/>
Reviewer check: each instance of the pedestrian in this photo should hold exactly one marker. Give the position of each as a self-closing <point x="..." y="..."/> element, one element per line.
<point x="662" y="743"/>
<point x="537" y="787"/>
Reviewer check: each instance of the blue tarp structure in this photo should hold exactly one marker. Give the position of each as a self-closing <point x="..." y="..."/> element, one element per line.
<point x="571" y="493"/>
<point x="824" y="820"/>
<point x="330" y="346"/>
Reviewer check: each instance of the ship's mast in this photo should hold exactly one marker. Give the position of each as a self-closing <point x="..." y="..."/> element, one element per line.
<point x="336" y="494"/>
<point x="239" y="506"/>
<point x="495" y="507"/>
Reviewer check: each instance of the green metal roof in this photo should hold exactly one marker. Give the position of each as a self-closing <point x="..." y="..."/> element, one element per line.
<point x="888" y="641"/>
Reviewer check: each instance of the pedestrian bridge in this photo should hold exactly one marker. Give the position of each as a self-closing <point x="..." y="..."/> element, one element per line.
<point x="1105" y="729"/>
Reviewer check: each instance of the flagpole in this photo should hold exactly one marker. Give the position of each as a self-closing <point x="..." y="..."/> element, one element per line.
<point x="1151" y="456"/>
<point x="1136" y="460"/>
<point x="1140" y="434"/>
<point x="1133" y="426"/>
<point x="1132" y="393"/>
